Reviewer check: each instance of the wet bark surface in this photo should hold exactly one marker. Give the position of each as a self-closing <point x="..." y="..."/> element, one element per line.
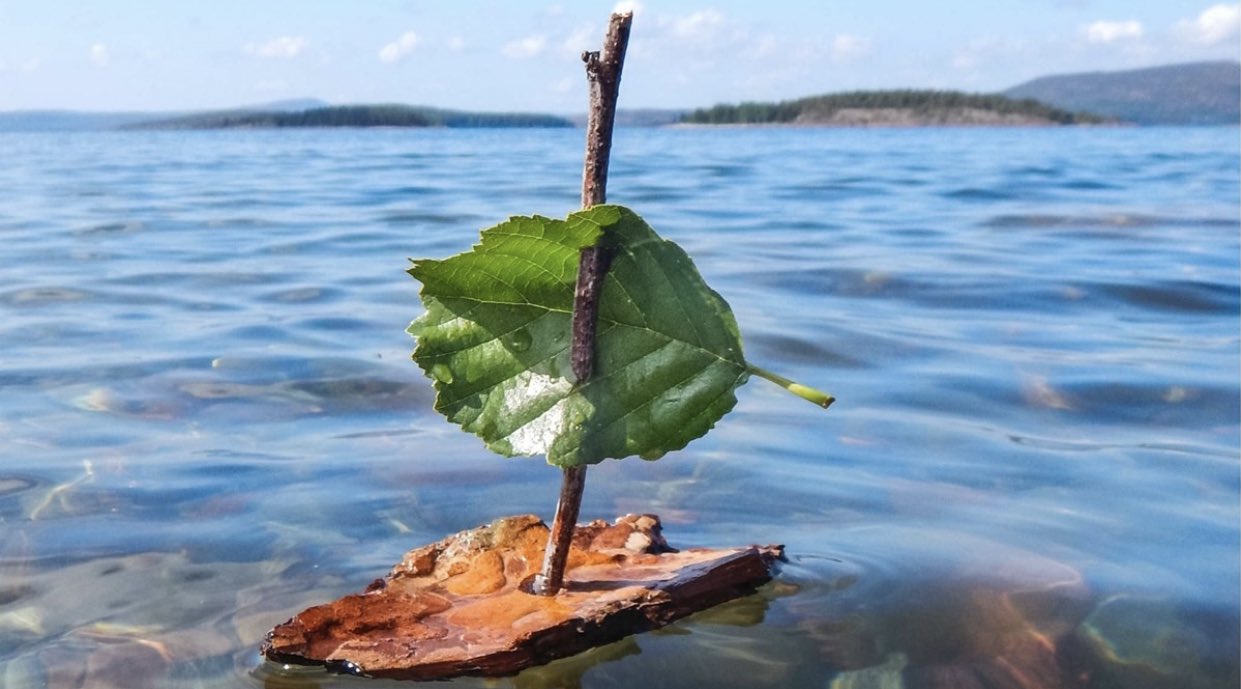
<point x="463" y="605"/>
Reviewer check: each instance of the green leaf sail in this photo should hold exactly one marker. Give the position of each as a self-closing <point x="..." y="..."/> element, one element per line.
<point x="496" y="332"/>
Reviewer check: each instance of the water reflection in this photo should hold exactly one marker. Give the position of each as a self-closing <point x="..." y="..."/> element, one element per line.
<point x="569" y="672"/>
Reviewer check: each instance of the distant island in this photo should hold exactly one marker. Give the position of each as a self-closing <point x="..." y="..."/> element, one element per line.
<point x="1199" y="93"/>
<point x="903" y="108"/>
<point x="387" y="115"/>
<point x="1195" y="93"/>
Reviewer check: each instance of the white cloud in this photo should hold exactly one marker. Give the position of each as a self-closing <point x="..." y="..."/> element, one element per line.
<point x="846" y="46"/>
<point x="1216" y="24"/>
<point x="582" y="38"/>
<point x="455" y="43"/>
<point x="280" y="47"/>
<point x="271" y="86"/>
<point x="398" y="49"/>
<point x="696" y="24"/>
<point x="764" y="46"/>
<point x="529" y="46"/>
<point x="99" y="54"/>
<point x="965" y="60"/>
<point x="991" y="51"/>
<point x="1109" y="32"/>
<point x="627" y="6"/>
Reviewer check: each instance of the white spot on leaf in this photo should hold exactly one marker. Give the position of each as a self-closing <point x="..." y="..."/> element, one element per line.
<point x="537" y="436"/>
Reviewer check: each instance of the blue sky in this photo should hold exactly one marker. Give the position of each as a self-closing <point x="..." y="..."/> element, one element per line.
<point x="496" y="55"/>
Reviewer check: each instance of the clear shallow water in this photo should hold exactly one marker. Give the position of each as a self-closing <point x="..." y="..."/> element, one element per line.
<point x="208" y="418"/>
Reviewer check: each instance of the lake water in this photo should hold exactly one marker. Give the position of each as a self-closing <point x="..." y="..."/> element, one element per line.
<point x="209" y="419"/>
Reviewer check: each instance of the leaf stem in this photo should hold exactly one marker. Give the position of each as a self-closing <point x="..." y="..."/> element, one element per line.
<point x="805" y="392"/>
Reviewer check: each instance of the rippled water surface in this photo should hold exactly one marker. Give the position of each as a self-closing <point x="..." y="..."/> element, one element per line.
<point x="208" y="417"/>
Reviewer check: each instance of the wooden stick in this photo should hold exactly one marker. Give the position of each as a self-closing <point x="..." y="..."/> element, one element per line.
<point x="560" y="534"/>
<point x="603" y="73"/>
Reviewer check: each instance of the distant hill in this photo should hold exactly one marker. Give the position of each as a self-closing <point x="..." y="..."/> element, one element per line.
<point x="388" y="115"/>
<point x="1193" y="93"/>
<point x="905" y="108"/>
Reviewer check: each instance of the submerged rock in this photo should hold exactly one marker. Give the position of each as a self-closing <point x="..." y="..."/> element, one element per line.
<point x="461" y="606"/>
<point x="1147" y="643"/>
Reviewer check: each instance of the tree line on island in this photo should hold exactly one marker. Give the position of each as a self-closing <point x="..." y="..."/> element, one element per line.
<point x="387" y="115"/>
<point x="906" y="106"/>
<point x="903" y="107"/>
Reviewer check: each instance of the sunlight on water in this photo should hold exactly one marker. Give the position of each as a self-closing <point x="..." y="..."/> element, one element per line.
<point x="210" y="420"/>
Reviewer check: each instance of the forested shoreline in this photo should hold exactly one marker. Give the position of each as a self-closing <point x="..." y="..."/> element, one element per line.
<point x="355" y="116"/>
<point x="906" y="106"/>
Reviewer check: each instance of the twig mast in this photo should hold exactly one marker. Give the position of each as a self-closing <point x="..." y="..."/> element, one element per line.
<point x="603" y="74"/>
